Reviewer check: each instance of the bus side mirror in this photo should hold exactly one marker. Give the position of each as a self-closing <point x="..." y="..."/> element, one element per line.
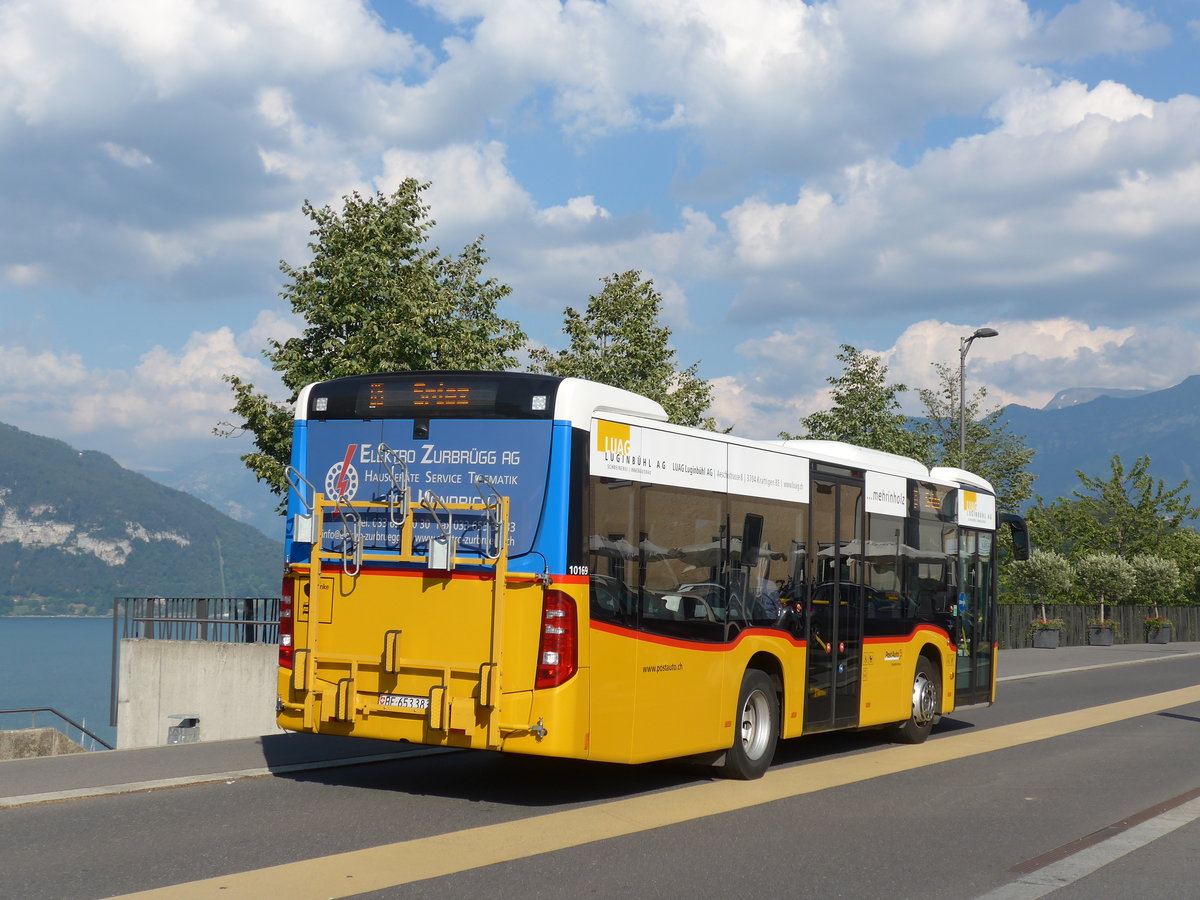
<point x="752" y="529"/>
<point x="1020" y="534"/>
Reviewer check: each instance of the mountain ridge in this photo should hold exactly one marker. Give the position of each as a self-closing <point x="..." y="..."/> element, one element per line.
<point x="77" y="529"/>
<point x="1163" y="425"/>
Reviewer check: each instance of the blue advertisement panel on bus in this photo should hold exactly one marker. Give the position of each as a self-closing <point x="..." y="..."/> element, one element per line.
<point x="344" y="458"/>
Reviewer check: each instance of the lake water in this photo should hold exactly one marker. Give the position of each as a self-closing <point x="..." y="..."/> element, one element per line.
<point x="59" y="662"/>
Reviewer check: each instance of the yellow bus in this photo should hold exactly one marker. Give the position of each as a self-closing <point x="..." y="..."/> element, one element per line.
<point x="545" y="565"/>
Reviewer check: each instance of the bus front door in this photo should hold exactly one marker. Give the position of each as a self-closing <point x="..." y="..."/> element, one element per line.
<point x="834" y="604"/>
<point x="975" y="681"/>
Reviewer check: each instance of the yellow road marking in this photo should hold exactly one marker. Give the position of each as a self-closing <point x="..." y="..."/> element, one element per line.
<point x="376" y="868"/>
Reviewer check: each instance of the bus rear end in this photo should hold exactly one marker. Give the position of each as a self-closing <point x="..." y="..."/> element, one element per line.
<point x="426" y="591"/>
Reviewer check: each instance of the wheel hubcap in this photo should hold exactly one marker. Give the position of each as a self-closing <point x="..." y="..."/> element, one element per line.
<point x="756" y="720"/>
<point x="924" y="700"/>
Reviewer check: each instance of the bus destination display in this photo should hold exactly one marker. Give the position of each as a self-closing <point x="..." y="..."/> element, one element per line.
<point x="425" y="398"/>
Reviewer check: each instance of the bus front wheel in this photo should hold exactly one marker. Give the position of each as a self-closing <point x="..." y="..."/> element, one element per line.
<point x="925" y="705"/>
<point x="757" y="728"/>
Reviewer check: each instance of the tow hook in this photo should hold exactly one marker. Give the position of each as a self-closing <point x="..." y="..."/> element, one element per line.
<point x="539" y="730"/>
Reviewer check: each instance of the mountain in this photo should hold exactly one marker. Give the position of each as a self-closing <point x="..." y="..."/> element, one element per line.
<point x="77" y="530"/>
<point x="1084" y="436"/>
<point x="1075" y="396"/>
<point x="221" y="480"/>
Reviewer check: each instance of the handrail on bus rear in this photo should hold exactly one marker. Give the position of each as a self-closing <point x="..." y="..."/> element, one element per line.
<point x="292" y="472"/>
<point x="399" y="489"/>
<point x="350" y="535"/>
<point x="492" y="517"/>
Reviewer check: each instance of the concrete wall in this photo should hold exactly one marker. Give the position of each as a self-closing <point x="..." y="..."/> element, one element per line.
<point x="28" y="742"/>
<point x="230" y="687"/>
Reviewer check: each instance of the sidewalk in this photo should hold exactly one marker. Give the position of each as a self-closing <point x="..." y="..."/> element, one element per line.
<point x="1030" y="663"/>
<point x="103" y="772"/>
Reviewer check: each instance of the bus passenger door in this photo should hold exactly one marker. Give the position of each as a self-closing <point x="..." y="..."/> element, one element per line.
<point x="976" y="627"/>
<point x="834" y="604"/>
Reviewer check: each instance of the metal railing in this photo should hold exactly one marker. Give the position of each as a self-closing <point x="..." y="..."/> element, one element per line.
<point x="227" y="620"/>
<point x="33" y="711"/>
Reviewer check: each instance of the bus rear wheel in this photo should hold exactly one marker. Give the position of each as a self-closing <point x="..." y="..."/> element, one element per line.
<point x="757" y="728"/>
<point x="925" y="706"/>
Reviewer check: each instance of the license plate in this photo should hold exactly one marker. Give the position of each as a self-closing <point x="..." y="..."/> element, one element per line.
<point x="403" y="701"/>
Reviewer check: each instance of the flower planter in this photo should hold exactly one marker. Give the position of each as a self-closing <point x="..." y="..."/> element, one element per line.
<point x="1046" y="638"/>
<point x="1159" y="635"/>
<point x="1099" y="636"/>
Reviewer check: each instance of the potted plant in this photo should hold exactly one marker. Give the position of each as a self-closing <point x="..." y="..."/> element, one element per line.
<point x="1102" y="632"/>
<point x="1158" y="629"/>
<point x="1045" y="575"/>
<point x="1044" y="633"/>
<point x="1157" y="579"/>
<point x="1109" y="579"/>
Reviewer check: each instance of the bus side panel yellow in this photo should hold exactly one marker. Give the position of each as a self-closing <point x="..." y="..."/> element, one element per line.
<point x="888" y="670"/>
<point x="677" y="705"/>
<point x="887" y="674"/>
<point x="612" y="697"/>
<point x="777" y="655"/>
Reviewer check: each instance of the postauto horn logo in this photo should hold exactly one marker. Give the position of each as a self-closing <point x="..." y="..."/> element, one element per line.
<point x="613" y="437"/>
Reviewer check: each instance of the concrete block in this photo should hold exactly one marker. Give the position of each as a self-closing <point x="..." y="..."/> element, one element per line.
<point x="228" y="688"/>
<point x="29" y="742"/>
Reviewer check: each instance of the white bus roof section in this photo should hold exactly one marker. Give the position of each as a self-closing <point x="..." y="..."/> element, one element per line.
<point x="950" y="475"/>
<point x="302" y="402"/>
<point x="840" y="453"/>
<point x="578" y="401"/>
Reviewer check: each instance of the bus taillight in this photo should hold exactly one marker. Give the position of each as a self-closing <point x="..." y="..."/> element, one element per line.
<point x="286" y="628"/>
<point x="558" y="650"/>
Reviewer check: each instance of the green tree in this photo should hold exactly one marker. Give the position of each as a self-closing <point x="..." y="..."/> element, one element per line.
<point x="1104" y="578"/>
<point x="1183" y="548"/>
<point x="865" y="410"/>
<point x="375" y="298"/>
<point x="619" y="341"/>
<point x="1156" y="580"/>
<point x="1129" y="512"/>
<point x="1046" y="575"/>
<point x="992" y="451"/>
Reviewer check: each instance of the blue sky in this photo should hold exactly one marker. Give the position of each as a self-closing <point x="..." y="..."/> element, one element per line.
<point x="793" y="177"/>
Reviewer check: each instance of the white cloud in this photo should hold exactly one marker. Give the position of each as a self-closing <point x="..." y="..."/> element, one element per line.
<point x="1028" y="362"/>
<point x="575" y="212"/>
<point x="470" y="184"/>
<point x="126" y="156"/>
<point x="23" y="275"/>
<point x="1030" y="111"/>
<point x="169" y="401"/>
<point x="1061" y="204"/>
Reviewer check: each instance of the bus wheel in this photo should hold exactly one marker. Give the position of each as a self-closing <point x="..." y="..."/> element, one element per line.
<point x="757" y="724"/>
<point x="925" y="704"/>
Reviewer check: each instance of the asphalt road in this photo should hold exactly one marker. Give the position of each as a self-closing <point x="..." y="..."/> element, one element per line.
<point x="1082" y="780"/>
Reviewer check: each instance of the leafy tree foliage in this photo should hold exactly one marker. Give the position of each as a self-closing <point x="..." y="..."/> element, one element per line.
<point x="1183" y="548"/>
<point x="865" y="410"/>
<point x="992" y="451"/>
<point x="1129" y="512"/>
<point x="375" y="298"/>
<point x="619" y="341"/>
<point x="1046" y="575"/>
<point x="1156" y="580"/>
<point x="1104" y="578"/>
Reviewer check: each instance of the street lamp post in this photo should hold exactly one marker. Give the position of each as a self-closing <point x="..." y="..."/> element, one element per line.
<point x="964" y="344"/>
